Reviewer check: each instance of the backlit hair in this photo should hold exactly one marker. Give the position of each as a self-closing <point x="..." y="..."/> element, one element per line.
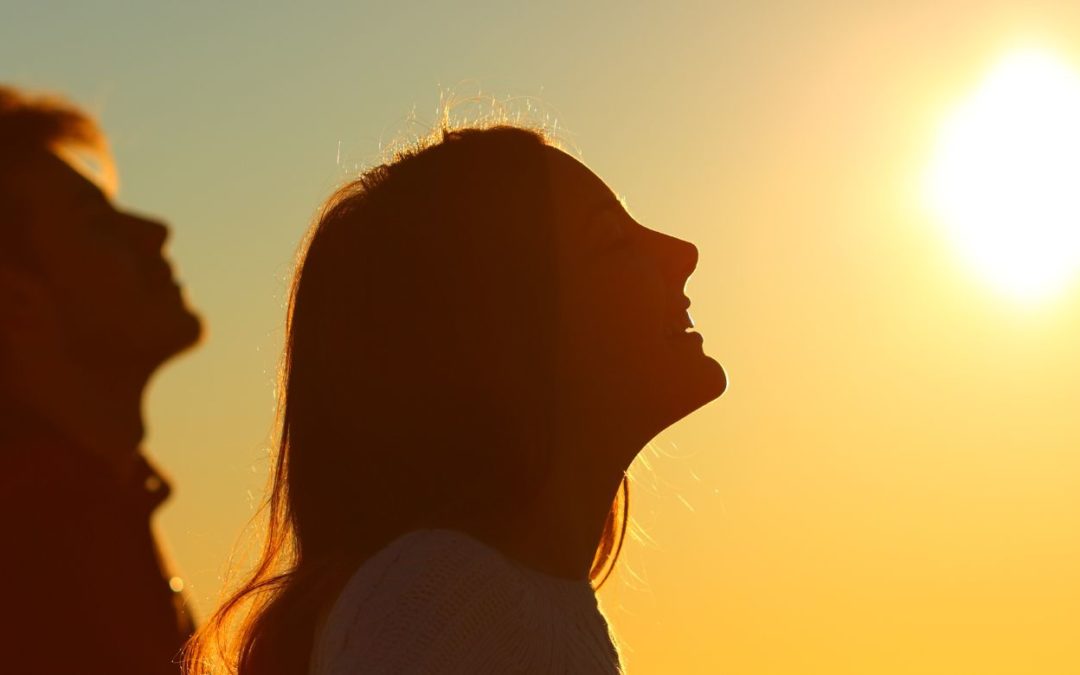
<point x="32" y="124"/>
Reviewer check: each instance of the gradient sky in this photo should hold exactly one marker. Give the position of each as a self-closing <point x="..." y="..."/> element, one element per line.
<point x="891" y="483"/>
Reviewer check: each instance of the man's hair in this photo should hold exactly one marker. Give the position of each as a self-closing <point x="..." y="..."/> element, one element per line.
<point x="31" y="124"/>
<point x="45" y="122"/>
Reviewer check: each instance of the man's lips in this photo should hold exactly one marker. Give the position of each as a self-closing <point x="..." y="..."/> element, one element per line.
<point x="160" y="275"/>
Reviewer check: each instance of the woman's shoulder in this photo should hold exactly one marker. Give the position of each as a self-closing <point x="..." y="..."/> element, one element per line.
<point x="429" y="563"/>
<point x="438" y="546"/>
<point x="426" y="588"/>
<point x="431" y="567"/>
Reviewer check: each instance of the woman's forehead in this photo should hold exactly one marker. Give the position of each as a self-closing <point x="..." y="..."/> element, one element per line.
<point x="574" y="186"/>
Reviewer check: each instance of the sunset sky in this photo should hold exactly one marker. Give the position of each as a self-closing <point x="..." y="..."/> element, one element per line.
<point x="891" y="483"/>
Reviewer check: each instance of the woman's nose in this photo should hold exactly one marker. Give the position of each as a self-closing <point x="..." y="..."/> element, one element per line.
<point x="679" y="257"/>
<point x="688" y="257"/>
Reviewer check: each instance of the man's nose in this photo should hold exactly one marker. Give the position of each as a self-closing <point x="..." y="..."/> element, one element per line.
<point x="150" y="234"/>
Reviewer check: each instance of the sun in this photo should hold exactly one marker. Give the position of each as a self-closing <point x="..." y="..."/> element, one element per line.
<point x="1005" y="176"/>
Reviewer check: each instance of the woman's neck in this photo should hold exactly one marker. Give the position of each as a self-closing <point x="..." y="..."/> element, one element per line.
<point x="562" y="528"/>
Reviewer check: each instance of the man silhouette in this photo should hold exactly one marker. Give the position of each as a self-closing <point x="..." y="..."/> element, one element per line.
<point x="89" y="311"/>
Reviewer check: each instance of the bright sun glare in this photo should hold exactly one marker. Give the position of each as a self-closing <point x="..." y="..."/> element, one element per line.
<point x="1005" y="178"/>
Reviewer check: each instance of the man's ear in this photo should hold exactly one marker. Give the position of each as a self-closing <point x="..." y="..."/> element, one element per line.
<point x="24" y="302"/>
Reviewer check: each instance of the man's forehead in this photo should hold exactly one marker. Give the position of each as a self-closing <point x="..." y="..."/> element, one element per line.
<point x="47" y="174"/>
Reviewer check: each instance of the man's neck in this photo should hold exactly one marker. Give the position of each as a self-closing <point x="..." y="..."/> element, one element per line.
<point x="97" y="412"/>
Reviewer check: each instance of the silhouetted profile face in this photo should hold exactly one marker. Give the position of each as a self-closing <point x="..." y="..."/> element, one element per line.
<point x="100" y="271"/>
<point x="489" y="324"/>
<point x="623" y="311"/>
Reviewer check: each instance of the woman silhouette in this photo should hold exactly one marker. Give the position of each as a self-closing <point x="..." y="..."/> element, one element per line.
<point x="480" y="340"/>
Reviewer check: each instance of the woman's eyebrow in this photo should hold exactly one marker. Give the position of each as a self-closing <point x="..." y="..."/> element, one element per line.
<point x="609" y="201"/>
<point x="616" y="203"/>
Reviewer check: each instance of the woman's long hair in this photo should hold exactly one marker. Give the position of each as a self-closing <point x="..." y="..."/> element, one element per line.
<point x="416" y="386"/>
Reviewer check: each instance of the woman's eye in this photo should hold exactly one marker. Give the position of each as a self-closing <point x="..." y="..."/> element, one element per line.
<point x="612" y="231"/>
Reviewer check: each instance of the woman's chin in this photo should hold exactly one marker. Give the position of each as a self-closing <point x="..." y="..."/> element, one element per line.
<point x="716" y="377"/>
<point x="708" y="382"/>
<point x="703" y="377"/>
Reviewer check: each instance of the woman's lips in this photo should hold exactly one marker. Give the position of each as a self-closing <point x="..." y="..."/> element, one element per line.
<point x="679" y="323"/>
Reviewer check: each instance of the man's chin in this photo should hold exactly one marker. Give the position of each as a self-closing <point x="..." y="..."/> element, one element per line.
<point x="184" y="333"/>
<point x="190" y="333"/>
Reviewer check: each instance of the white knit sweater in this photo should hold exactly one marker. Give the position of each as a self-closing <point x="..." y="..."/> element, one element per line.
<point x="439" y="601"/>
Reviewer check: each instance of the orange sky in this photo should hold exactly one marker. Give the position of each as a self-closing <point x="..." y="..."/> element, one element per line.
<point x="891" y="483"/>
